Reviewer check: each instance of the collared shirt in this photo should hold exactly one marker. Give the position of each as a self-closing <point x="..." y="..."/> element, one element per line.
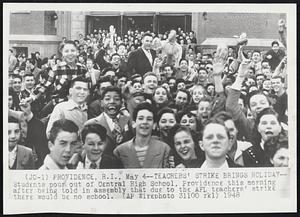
<point x="241" y="146"/>
<point x="68" y="110"/>
<point x="149" y="56"/>
<point x="223" y="166"/>
<point x="49" y="164"/>
<point x="110" y="121"/>
<point x="87" y="163"/>
<point x="12" y="156"/>
<point x="262" y="144"/>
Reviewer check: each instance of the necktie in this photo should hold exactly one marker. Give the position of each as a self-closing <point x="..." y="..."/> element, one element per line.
<point x="93" y="166"/>
<point x="117" y="132"/>
<point x="12" y="159"/>
<point x="148" y="54"/>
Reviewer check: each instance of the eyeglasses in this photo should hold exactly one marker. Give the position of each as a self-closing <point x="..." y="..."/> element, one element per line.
<point x="209" y="68"/>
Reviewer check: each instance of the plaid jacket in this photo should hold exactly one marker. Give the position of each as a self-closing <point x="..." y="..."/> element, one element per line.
<point x="63" y="76"/>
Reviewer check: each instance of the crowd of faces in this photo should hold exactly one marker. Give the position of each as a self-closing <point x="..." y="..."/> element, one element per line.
<point x="189" y="103"/>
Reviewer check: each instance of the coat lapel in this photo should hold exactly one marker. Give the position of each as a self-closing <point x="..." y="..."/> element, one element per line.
<point x="133" y="156"/>
<point x="20" y="158"/>
<point x="103" y="122"/>
<point x="151" y="153"/>
<point x="145" y="57"/>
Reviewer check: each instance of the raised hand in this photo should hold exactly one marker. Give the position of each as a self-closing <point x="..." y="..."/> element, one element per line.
<point x="218" y="68"/>
<point x="157" y="63"/>
<point x="243" y="68"/>
<point x="221" y="53"/>
<point x="220" y="59"/>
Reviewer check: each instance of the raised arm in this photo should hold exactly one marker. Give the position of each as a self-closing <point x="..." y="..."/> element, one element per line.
<point x="232" y="105"/>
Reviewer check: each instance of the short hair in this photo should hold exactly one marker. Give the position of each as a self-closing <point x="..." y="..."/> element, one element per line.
<point x="266" y="111"/>
<point x="168" y="65"/>
<point x="67" y="42"/>
<point x="209" y="84"/>
<point x="187" y="111"/>
<point x="17" y="76"/>
<point x="274" y="42"/>
<point x="164" y="111"/>
<point x="12" y="119"/>
<point x="93" y="128"/>
<point x="260" y="75"/>
<point x="216" y="121"/>
<point x="179" y="80"/>
<point x="256" y="51"/>
<point x="114" y="54"/>
<point x="62" y="125"/>
<point x="149" y="74"/>
<point x="182" y="60"/>
<point x="146" y="34"/>
<point x="90" y="59"/>
<point x="186" y="92"/>
<point x="205" y="99"/>
<point x="174" y="78"/>
<point x="265" y="60"/>
<point x="107" y="69"/>
<point x="121" y="44"/>
<point x="103" y="79"/>
<point x="253" y="93"/>
<point x="37" y="52"/>
<point x="179" y="128"/>
<point x="276" y="77"/>
<point x="111" y="89"/>
<point x="78" y="79"/>
<point x="135" y="76"/>
<point x="28" y="75"/>
<point x="122" y="75"/>
<point x="144" y="106"/>
<point x="224" y="116"/>
<point x="168" y="94"/>
<point x="135" y="81"/>
<point x="204" y="69"/>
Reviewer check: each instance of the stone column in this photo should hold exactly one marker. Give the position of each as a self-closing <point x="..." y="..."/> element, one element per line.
<point x="63" y="24"/>
<point x="198" y="26"/>
<point x="77" y="24"/>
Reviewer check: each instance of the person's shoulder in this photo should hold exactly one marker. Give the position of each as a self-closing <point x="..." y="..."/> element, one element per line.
<point x="95" y="120"/>
<point x="231" y="164"/>
<point x="158" y="143"/>
<point x="107" y="157"/>
<point x="95" y="103"/>
<point x="134" y="52"/>
<point x="243" y="145"/>
<point x="62" y="104"/>
<point x="124" y="145"/>
<point x="25" y="149"/>
<point x="250" y="156"/>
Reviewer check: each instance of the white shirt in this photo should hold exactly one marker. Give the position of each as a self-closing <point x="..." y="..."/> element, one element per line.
<point x="49" y="164"/>
<point x="262" y="144"/>
<point x="149" y="56"/>
<point x="241" y="146"/>
<point x="110" y="121"/>
<point x="88" y="163"/>
<point x="12" y="156"/>
<point x="223" y="166"/>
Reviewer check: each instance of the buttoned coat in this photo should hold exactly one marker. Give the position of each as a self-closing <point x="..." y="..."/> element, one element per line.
<point x="126" y="128"/>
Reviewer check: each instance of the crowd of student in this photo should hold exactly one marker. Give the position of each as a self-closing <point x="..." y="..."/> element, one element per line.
<point x="148" y="101"/>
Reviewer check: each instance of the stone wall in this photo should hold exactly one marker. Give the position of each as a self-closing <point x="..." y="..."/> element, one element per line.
<point x="31" y="23"/>
<point x="258" y="25"/>
<point x="77" y="24"/>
